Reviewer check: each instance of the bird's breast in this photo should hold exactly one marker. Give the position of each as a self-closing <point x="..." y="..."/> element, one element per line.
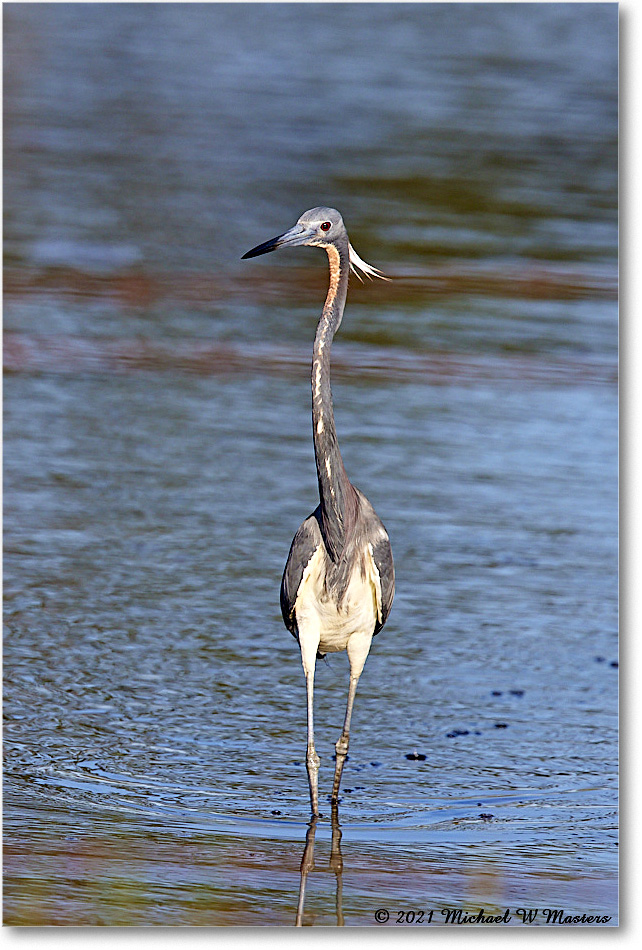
<point x="336" y="612"/>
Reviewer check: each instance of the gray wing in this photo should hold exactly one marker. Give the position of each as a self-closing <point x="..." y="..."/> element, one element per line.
<point x="305" y="543"/>
<point x="382" y="556"/>
<point x="375" y="533"/>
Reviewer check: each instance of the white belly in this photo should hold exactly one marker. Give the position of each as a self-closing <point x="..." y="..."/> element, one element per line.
<point x="318" y="614"/>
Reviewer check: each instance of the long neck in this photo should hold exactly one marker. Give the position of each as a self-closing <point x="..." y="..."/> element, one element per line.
<point x="337" y="495"/>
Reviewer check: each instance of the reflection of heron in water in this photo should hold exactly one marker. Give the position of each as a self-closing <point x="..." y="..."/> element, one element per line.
<point x="339" y="578"/>
<point x="336" y="865"/>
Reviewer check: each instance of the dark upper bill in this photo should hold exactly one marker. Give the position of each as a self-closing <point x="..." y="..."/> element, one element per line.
<point x="295" y="236"/>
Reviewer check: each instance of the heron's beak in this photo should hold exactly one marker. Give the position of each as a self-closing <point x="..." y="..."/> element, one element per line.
<point x="292" y="238"/>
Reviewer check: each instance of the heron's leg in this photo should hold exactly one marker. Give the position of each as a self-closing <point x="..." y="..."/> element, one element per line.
<point x="344" y="739"/>
<point x="312" y="760"/>
<point x="358" y="649"/>
<point x="309" y="645"/>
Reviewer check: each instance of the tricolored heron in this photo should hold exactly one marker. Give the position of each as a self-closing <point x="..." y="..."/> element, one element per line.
<point x="339" y="579"/>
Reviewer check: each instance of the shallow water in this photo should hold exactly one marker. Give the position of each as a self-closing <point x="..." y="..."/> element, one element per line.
<point x="158" y="459"/>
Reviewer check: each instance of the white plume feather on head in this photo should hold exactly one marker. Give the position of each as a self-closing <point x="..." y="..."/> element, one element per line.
<point x="356" y="265"/>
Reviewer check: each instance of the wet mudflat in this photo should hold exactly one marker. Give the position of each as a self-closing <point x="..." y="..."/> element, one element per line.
<point x="158" y="460"/>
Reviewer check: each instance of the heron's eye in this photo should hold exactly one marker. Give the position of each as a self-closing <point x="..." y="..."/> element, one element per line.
<point x="326" y="225"/>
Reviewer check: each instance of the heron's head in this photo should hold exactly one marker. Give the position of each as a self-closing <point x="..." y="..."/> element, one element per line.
<point x="318" y="227"/>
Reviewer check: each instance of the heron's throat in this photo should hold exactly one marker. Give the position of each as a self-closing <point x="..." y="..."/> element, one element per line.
<point x="334" y="259"/>
<point x="335" y="490"/>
